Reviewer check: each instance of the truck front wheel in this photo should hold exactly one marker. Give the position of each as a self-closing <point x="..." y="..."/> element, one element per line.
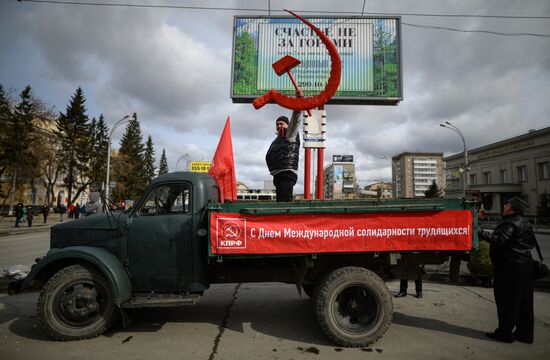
<point x="76" y="303"/>
<point x="353" y="306"/>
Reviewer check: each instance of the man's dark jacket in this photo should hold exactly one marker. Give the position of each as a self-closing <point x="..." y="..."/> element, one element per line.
<point x="511" y="241"/>
<point x="283" y="154"/>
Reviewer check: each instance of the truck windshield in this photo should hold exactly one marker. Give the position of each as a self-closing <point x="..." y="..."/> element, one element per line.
<point x="166" y="199"/>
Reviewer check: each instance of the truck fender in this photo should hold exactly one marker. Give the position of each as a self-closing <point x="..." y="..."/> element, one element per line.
<point x="107" y="263"/>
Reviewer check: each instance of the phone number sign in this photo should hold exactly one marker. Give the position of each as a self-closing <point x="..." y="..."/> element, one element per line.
<point x="199" y="166"/>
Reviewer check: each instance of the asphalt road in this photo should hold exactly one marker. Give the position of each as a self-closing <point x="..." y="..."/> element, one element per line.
<point x="270" y="321"/>
<point x="22" y="249"/>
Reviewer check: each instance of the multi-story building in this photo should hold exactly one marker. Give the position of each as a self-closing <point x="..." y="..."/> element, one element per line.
<point x="414" y="172"/>
<point x="382" y="190"/>
<point x="518" y="166"/>
<point x="339" y="181"/>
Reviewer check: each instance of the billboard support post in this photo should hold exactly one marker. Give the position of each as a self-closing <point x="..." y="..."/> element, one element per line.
<point x="320" y="174"/>
<point x="307" y="173"/>
<point x="321" y="167"/>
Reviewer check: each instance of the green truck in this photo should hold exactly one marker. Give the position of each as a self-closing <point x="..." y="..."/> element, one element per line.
<point x="179" y="239"/>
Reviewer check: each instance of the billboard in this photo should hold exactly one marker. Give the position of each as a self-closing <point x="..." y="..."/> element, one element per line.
<point x="338" y="181"/>
<point x="369" y="47"/>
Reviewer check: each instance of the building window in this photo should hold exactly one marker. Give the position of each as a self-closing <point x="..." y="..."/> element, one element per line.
<point x="487" y="178"/>
<point x="544" y="170"/>
<point x="503" y="176"/>
<point x="473" y="179"/>
<point x="522" y="173"/>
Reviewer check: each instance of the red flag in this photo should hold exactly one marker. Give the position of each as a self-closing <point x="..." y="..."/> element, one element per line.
<point x="223" y="166"/>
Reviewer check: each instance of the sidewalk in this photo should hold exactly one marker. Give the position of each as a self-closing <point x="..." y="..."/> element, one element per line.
<point x="7" y="225"/>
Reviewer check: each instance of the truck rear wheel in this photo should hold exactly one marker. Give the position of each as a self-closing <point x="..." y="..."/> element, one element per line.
<point x="76" y="303"/>
<point x="353" y="306"/>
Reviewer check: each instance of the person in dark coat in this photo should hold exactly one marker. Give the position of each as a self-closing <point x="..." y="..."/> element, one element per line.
<point x="18" y="214"/>
<point x="283" y="156"/>
<point x="510" y="251"/>
<point x="45" y="212"/>
<point x="404" y="284"/>
<point x="30" y="215"/>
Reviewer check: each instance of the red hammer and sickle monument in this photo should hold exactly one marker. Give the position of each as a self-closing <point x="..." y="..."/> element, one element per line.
<point x="301" y="103"/>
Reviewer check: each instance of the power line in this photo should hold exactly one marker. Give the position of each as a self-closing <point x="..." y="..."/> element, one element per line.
<point x="214" y="8"/>
<point x="474" y="31"/>
<point x="219" y="8"/>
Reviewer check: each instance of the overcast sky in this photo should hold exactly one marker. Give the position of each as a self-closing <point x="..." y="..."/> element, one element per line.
<point x="173" y="66"/>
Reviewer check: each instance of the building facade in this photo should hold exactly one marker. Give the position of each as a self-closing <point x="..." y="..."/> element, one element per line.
<point x="518" y="166"/>
<point x="414" y="172"/>
<point x="339" y="178"/>
<point x="382" y="190"/>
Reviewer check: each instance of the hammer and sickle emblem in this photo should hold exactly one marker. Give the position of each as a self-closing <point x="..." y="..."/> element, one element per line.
<point x="286" y="63"/>
<point x="231" y="230"/>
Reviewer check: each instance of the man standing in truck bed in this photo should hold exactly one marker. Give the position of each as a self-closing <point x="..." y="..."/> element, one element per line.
<point x="283" y="156"/>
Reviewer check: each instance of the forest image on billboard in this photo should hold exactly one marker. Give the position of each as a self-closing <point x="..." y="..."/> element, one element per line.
<point x="369" y="49"/>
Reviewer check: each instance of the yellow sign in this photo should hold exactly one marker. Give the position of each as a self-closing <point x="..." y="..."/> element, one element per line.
<point x="199" y="166"/>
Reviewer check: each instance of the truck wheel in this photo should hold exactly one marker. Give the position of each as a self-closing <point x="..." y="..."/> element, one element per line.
<point x="353" y="306"/>
<point x="76" y="303"/>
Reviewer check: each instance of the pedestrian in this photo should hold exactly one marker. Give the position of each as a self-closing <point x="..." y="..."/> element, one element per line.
<point x="71" y="210"/>
<point x="45" y="212"/>
<point x="18" y="214"/>
<point x="30" y="215"/>
<point x="83" y="210"/>
<point x="404" y="284"/>
<point x="510" y="251"/>
<point x="283" y="156"/>
<point x="95" y="206"/>
<point x="62" y="210"/>
<point x="76" y="211"/>
<point x="479" y="262"/>
<point x="24" y="211"/>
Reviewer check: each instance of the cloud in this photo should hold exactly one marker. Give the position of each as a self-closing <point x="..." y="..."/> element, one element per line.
<point x="172" y="67"/>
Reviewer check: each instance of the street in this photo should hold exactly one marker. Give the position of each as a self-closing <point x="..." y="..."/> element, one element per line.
<point x="22" y="249"/>
<point x="270" y="321"/>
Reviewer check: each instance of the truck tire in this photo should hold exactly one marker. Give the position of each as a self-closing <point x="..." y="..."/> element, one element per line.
<point x="76" y="303"/>
<point x="353" y="306"/>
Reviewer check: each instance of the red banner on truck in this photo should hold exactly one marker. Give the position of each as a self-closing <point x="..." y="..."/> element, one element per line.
<point x="234" y="233"/>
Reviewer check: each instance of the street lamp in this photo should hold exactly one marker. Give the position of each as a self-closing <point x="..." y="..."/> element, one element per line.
<point x="450" y="126"/>
<point x="187" y="162"/>
<point x="117" y="124"/>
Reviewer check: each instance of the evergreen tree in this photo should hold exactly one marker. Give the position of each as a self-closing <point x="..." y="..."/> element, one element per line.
<point x="22" y="132"/>
<point x="6" y="123"/>
<point x="149" y="159"/>
<point x="133" y="151"/>
<point x="163" y="167"/>
<point x="75" y="134"/>
<point x="19" y="154"/>
<point x="433" y="191"/>
<point x="99" y="148"/>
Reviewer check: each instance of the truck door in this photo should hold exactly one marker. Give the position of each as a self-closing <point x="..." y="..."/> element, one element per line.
<point x="160" y="240"/>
